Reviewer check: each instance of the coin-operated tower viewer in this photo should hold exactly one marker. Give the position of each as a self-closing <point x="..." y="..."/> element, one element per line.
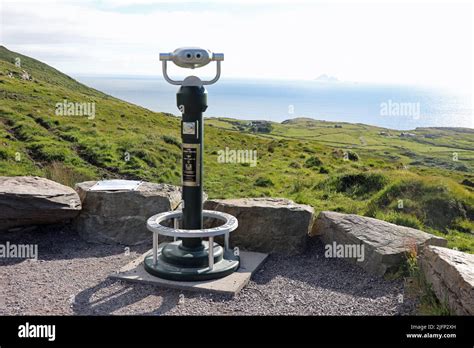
<point x="189" y="256"/>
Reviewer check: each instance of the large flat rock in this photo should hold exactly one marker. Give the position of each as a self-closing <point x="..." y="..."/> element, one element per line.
<point x="119" y="217"/>
<point x="268" y="225"/>
<point x="451" y="274"/>
<point x="31" y="200"/>
<point x="385" y="244"/>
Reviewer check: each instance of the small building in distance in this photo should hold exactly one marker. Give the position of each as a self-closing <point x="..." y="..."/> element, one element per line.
<point x="260" y="126"/>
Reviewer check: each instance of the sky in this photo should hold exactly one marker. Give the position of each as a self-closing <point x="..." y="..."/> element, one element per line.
<point x="407" y="42"/>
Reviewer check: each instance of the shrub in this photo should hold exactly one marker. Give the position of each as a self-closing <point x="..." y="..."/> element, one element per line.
<point x="171" y="140"/>
<point x="352" y="156"/>
<point x="323" y="170"/>
<point x="461" y="167"/>
<point x="467" y="182"/>
<point x="463" y="225"/>
<point x="359" y="184"/>
<point x="3" y="154"/>
<point x="295" y="165"/>
<point x="435" y="203"/>
<point x="312" y="162"/>
<point x="65" y="175"/>
<point x="263" y="182"/>
<point x="271" y="147"/>
<point x="299" y="185"/>
<point x="401" y="219"/>
<point x="418" y="284"/>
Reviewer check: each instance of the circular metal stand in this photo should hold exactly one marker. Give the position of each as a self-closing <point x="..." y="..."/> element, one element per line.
<point x="175" y="261"/>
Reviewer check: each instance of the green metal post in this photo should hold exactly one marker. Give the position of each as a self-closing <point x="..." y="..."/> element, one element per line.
<point x="192" y="102"/>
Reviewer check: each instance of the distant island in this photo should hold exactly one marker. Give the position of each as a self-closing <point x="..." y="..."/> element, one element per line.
<point x="326" y="78"/>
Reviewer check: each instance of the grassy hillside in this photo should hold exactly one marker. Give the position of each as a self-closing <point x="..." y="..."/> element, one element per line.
<point x="422" y="180"/>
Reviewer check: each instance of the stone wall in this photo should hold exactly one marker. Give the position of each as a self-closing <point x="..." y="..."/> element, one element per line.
<point x="451" y="275"/>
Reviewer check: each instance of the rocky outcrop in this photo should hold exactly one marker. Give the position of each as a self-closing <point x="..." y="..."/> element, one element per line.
<point x="31" y="200"/>
<point x="384" y="244"/>
<point x="451" y="275"/>
<point x="269" y="225"/>
<point x="120" y="216"/>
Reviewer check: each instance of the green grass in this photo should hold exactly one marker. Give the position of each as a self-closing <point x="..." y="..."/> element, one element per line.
<point x="336" y="166"/>
<point x="436" y="202"/>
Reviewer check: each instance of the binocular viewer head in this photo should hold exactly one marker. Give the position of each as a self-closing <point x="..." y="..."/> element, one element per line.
<point x="191" y="58"/>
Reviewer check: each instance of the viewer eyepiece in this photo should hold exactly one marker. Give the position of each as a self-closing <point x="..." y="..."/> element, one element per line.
<point x="191" y="58"/>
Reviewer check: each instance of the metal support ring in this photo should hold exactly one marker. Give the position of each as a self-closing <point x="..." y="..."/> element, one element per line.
<point x="155" y="226"/>
<point x="230" y="225"/>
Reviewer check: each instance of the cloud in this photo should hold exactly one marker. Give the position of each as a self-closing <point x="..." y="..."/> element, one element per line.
<point x="400" y="43"/>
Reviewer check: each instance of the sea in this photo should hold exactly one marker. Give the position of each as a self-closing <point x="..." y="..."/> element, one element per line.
<point x="390" y="106"/>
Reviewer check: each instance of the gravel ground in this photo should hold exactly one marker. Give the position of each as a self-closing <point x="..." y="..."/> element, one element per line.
<point x="70" y="277"/>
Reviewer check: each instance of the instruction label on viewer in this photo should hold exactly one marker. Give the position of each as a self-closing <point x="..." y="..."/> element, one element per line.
<point x="191" y="162"/>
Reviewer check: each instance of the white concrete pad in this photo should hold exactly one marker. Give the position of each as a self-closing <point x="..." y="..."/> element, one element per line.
<point x="230" y="285"/>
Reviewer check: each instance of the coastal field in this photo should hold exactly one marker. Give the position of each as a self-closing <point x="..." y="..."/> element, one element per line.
<point x="422" y="178"/>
